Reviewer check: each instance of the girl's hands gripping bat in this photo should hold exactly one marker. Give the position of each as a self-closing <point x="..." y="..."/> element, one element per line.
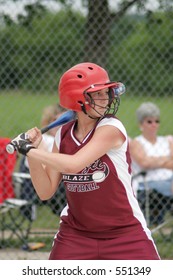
<point x="22" y="143"/>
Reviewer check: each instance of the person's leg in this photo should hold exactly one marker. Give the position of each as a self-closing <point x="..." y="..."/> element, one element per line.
<point x="162" y="194"/>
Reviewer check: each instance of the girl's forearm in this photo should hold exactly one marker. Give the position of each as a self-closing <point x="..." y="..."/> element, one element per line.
<point x="40" y="180"/>
<point x="60" y="162"/>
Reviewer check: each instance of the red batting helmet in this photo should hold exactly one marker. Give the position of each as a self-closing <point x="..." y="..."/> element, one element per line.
<point x="81" y="77"/>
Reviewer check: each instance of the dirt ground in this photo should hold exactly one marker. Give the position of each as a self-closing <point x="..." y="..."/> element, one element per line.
<point x="19" y="254"/>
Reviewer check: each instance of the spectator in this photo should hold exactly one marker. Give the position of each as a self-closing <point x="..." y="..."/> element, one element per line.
<point x="150" y="155"/>
<point x="58" y="201"/>
<point x="50" y="114"/>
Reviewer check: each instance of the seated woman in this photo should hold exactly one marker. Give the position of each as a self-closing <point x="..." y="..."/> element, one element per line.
<point x="58" y="201"/>
<point x="151" y="167"/>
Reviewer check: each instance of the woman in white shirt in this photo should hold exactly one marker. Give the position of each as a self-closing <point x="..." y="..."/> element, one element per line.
<point x="150" y="155"/>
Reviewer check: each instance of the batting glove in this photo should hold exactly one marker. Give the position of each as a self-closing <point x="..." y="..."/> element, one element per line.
<point x="22" y="144"/>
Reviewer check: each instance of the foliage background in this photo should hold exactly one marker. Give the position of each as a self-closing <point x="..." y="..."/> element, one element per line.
<point x="38" y="46"/>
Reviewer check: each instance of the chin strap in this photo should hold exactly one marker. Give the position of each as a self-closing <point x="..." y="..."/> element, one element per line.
<point x="83" y="108"/>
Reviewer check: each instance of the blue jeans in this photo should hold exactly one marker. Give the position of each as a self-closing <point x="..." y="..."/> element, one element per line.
<point x="163" y="187"/>
<point x="160" y="199"/>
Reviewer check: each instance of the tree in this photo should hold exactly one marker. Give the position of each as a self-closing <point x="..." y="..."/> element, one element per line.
<point x="98" y="23"/>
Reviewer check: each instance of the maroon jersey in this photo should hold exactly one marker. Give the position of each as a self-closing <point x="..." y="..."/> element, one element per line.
<point x="101" y="201"/>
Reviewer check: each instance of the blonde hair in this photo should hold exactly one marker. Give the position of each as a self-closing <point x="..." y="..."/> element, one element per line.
<point x="50" y="114"/>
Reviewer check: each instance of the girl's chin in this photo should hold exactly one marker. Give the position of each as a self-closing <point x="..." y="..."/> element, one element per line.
<point x="97" y="113"/>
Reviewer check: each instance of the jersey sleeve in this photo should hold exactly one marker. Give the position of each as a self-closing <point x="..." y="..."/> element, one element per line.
<point x="58" y="138"/>
<point x="114" y="122"/>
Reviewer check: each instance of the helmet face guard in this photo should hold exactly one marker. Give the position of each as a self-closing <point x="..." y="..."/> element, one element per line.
<point x="114" y="90"/>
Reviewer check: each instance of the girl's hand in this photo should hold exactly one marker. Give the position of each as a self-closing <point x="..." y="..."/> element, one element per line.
<point x="34" y="136"/>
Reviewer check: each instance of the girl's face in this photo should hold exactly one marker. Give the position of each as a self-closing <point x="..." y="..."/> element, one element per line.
<point x="99" y="102"/>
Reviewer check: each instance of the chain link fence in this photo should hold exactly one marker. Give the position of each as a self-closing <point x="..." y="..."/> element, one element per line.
<point x="39" y="40"/>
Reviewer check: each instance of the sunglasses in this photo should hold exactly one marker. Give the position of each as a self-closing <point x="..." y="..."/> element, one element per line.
<point x="153" y="121"/>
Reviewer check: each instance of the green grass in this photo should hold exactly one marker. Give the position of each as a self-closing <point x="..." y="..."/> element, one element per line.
<point x="163" y="238"/>
<point x="45" y="218"/>
<point x="22" y="110"/>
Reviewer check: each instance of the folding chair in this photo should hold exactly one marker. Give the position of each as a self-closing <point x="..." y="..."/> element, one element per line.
<point x="13" y="222"/>
<point x="154" y="205"/>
